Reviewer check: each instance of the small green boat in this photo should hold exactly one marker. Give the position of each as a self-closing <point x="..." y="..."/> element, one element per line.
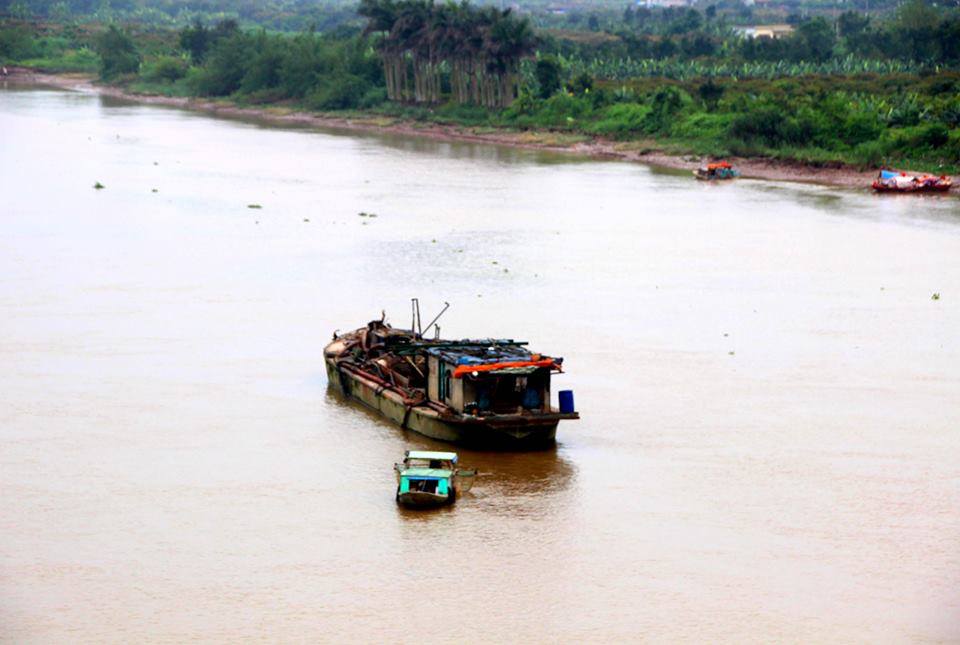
<point x="428" y="479"/>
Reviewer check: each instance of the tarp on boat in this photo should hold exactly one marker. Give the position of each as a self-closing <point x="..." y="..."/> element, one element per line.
<point x="717" y="165"/>
<point x="902" y="182"/>
<point x="462" y="370"/>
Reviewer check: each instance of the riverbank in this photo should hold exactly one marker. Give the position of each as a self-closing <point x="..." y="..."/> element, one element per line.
<point x="641" y="151"/>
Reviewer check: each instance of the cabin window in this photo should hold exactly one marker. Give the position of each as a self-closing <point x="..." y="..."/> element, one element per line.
<point x="423" y="485"/>
<point x="443" y="382"/>
<point x="531" y="399"/>
<point x="408" y="484"/>
<point x="508" y="394"/>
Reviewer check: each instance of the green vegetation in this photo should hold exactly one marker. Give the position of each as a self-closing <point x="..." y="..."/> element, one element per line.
<point x="281" y="15"/>
<point x="855" y="89"/>
<point x="118" y="54"/>
<point x="866" y="120"/>
<point x="64" y="50"/>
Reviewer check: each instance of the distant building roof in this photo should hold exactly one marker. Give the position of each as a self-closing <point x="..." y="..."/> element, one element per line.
<point x="764" y="31"/>
<point x="664" y="3"/>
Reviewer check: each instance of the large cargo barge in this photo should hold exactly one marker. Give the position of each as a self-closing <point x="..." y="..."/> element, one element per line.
<point x="483" y="393"/>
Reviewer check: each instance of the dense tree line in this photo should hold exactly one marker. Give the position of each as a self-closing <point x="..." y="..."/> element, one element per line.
<point x="325" y="71"/>
<point x="917" y="31"/>
<point x="477" y="49"/>
<point x="288" y="15"/>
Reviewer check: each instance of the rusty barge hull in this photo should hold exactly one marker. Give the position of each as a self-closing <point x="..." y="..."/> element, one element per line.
<point x="497" y="431"/>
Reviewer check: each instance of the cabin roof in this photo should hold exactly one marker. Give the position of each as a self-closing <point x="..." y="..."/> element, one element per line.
<point x="476" y="352"/>
<point x="426" y="454"/>
<point x="426" y="473"/>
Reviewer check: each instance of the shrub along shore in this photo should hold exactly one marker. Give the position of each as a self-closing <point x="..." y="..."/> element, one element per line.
<point x="810" y="125"/>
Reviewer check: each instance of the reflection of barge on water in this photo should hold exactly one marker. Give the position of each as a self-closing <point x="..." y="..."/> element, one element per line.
<point x="479" y="392"/>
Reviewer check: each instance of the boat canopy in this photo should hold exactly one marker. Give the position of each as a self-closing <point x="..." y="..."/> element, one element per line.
<point x="476" y="352"/>
<point x="504" y="367"/>
<point x="493" y="357"/>
<point x="893" y="174"/>
<point x="426" y="473"/>
<point x="433" y="456"/>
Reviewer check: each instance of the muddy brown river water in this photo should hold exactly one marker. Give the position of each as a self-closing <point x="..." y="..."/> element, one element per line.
<point x="770" y="442"/>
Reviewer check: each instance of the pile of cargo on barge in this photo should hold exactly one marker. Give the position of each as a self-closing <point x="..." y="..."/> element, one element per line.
<point x="485" y="392"/>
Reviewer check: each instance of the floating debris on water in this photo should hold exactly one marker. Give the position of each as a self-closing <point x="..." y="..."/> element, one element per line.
<point x="365" y="214"/>
<point x="305" y="219"/>
<point x="99" y="186"/>
<point x="935" y="296"/>
<point x="254" y="206"/>
<point x="154" y="190"/>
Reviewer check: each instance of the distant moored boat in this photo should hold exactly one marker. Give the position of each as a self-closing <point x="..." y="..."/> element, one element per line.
<point x="716" y="170"/>
<point x="890" y="181"/>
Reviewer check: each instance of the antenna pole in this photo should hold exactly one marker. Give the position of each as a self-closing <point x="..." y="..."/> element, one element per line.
<point x="415" y="324"/>
<point x="446" y="306"/>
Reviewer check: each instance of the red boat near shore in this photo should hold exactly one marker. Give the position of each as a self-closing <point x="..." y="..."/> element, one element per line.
<point x="889" y="181"/>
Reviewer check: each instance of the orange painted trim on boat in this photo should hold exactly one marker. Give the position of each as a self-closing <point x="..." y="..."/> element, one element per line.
<point x="492" y="367"/>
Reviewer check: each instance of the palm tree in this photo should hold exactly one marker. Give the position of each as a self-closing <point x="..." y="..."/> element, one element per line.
<point x="481" y="48"/>
<point x="512" y="41"/>
<point x="381" y="16"/>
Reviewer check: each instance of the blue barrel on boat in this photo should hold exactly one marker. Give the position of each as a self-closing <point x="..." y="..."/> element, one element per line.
<point x="566" y="401"/>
